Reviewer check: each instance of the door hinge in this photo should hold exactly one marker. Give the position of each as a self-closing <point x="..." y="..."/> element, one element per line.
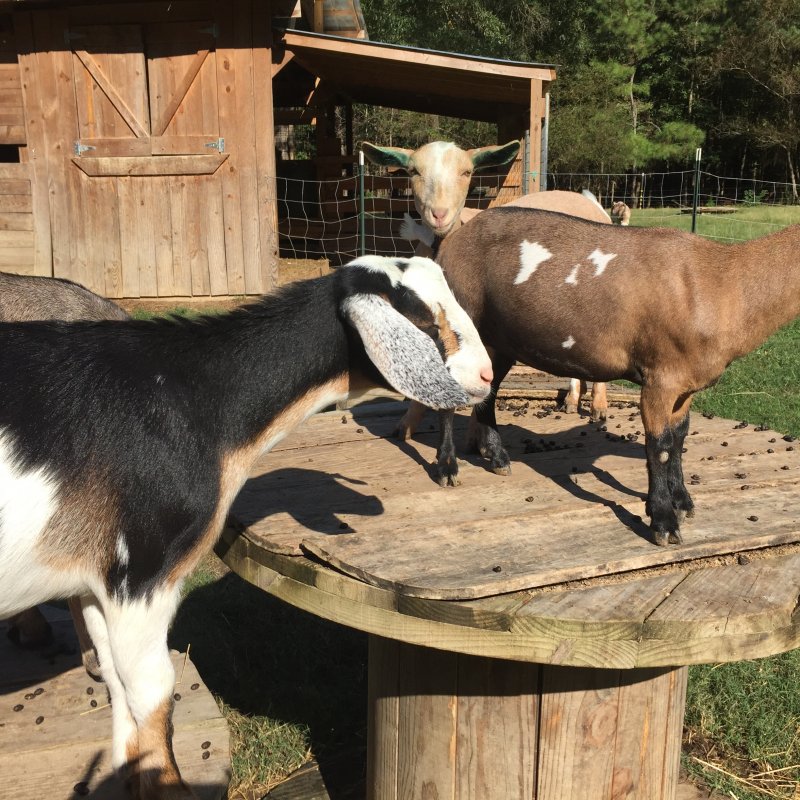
<point x="80" y="149"/>
<point x="219" y="145"/>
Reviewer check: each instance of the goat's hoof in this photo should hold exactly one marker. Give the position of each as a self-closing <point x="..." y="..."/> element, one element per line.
<point x="92" y="666"/>
<point x="663" y="538"/>
<point x="570" y="408"/>
<point x="447" y="472"/>
<point x="599" y="414"/>
<point x="501" y="469"/>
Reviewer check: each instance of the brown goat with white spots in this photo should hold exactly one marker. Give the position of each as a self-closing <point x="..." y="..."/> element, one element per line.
<point x="660" y="307"/>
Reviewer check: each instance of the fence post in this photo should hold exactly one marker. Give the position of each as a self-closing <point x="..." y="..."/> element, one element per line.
<point x="526" y="143"/>
<point x="545" y="143"/>
<point x="696" y="197"/>
<point x="362" y="226"/>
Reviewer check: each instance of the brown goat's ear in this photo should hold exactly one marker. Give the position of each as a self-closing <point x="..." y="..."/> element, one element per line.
<point x="494" y="155"/>
<point x="386" y="156"/>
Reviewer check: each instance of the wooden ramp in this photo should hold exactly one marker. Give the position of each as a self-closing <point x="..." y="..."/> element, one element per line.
<point x="55" y="725"/>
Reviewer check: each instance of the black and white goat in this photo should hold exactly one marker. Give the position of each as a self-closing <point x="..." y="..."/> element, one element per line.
<point x="660" y="307"/>
<point x="123" y="445"/>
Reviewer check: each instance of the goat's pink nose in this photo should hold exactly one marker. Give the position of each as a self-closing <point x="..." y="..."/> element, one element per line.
<point x="439" y="214"/>
<point x="487" y="374"/>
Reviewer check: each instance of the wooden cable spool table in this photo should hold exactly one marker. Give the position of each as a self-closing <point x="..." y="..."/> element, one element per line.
<point x="526" y="637"/>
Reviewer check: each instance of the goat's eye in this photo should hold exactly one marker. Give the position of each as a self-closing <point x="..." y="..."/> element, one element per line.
<point x="467" y="173"/>
<point x="412" y="172"/>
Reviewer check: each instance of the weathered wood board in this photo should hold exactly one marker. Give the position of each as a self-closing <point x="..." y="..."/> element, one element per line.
<point x="342" y="490"/>
<point x="57" y="745"/>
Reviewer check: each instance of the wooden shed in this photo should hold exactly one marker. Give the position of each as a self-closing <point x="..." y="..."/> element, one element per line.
<point x="139" y="137"/>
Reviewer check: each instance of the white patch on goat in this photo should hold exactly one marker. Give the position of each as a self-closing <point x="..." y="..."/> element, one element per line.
<point x="414" y="231"/>
<point x="123" y="727"/>
<point x="568" y="342"/>
<point x="123" y="554"/>
<point x="572" y="278"/>
<point x="381" y="264"/>
<point x="531" y="256"/>
<point x="600" y="260"/>
<point x="28" y="500"/>
<point x="136" y="630"/>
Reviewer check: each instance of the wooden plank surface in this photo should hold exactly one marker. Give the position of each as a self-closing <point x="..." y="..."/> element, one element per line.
<point x="58" y="739"/>
<point x="338" y="478"/>
<point x="571" y="510"/>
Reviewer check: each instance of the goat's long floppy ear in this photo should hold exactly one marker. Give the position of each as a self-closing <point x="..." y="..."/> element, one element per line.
<point x="386" y="156"/>
<point x="494" y="156"/>
<point x="403" y="354"/>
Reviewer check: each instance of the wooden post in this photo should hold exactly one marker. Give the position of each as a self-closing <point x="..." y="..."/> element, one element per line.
<point x="534" y="164"/>
<point x="265" y="149"/>
<point x="449" y="725"/>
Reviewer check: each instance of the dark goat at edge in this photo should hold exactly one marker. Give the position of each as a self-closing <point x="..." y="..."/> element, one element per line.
<point x="660" y="307"/>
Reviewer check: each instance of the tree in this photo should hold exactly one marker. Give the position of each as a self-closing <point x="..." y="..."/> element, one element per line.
<point x="759" y="62"/>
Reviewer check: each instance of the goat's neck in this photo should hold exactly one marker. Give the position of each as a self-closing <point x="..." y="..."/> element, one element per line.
<point x="274" y="364"/>
<point x="768" y="284"/>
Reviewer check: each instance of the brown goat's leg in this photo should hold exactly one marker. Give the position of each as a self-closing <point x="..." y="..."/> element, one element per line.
<point x="681" y="499"/>
<point x="483" y="435"/>
<point x="572" y="402"/>
<point x="665" y="421"/>
<point x="446" y="461"/>
<point x="599" y="402"/>
<point x="410" y="421"/>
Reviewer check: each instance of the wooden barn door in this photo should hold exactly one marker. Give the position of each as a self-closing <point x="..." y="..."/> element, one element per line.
<point x="154" y="150"/>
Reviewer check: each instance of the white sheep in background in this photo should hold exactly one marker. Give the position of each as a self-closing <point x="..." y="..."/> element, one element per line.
<point x="440" y="179"/>
<point x="124" y="443"/>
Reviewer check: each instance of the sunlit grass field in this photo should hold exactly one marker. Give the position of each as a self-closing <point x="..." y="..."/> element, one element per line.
<point x="291" y="685"/>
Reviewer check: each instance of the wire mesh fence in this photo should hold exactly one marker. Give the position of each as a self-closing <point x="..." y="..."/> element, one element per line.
<point x="338" y="219"/>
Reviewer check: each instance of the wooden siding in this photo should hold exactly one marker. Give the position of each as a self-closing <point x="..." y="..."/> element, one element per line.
<point x="136" y="110"/>
<point x="16" y="219"/>
<point x="12" y="118"/>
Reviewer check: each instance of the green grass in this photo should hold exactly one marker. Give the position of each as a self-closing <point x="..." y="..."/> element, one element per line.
<point x="290" y="684"/>
<point x="762" y="387"/>
<point x="744" y="718"/>
<point x="746" y="222"/>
